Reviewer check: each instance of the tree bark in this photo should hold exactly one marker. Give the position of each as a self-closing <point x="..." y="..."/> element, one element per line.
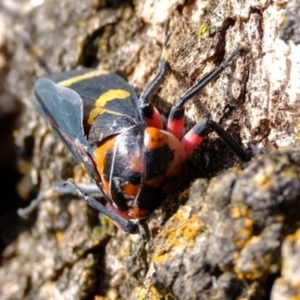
<point x="236" y="234"/>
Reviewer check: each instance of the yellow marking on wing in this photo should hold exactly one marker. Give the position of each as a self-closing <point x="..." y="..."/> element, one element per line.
<point x="75" y="79"/>
<point x="111" y="95"/>
<point x="98" y="111"/>
<point x="100" y="103"/>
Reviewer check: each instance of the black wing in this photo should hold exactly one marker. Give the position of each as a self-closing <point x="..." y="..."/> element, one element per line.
<point x="91" y="84"/>
<point x="63" y="108"/>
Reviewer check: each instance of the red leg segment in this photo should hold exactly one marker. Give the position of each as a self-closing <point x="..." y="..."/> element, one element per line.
<point x="154" y="119"/>
<point x="191" y="141"/>
<point x="175" y="126"/>
<point x="196" y="135"/>
<point x="175" y="120"/>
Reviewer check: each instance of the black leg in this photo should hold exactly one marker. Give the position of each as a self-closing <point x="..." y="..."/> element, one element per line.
<point x="145" y="234"/>
<point x="150" y="114"/>
<point x="175" y="120"/>
<point x="196" y="135"/>
<point x="128" y="226"/>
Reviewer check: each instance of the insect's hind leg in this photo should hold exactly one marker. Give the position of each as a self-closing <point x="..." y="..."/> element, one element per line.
<point x="149" y="112"/>
<point x="196" y="135"/>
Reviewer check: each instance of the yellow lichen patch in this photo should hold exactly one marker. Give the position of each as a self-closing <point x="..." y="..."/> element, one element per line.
<point x="203" y="29"/>
<point x="283" y="19"/>
<point x="244" y="233"/>
<point x="184" y="195"/>
<point x="79" y="173"/>
<point x="237" y="169"/>
<point x="183" y="235"/>
<point x="293" y="237"/>
<point x="59" y="237"/>
<point x="239" y="243"/>
<point x="250" y="266"/>
<point x="265" y="183"/>
<point x="291" y="171"/>
<point x="102" y="44"/>
<point x="298" y="132"/>
<point x="205" y="208"/>
<point x="150" y="294"/>
<point x="252" y="274"/>
<point x="235" y="256"/>
<point x="24" y="187"/>
<point x="112" y="294"/>
<point x="214" y="184"/>
<point x="80" y="252"/>
<point x="251" y="292"/>
<point x="294" y="297"/>
<point x="111" y="95"/>
<point x="100" y="233"/>
<point x="280" y="218"/>
<point x="82" y="77"/>
<point x="264" y="178"/>
<point x="192" y="229"/>
<point x="24" y="166"/>
<point x="239" y="211"/>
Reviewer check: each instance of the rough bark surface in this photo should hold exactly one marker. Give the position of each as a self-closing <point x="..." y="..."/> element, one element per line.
<point x="234" y="233"/>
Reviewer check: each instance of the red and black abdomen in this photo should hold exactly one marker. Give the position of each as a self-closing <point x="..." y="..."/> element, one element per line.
<point x="133" y="166"/>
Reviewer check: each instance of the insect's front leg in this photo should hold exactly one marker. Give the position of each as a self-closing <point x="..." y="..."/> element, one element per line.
<point x="175" y="120"/>
<point x="126" y="225"/>
<point x="145" y="234"/>
<point x="148" y="111"/>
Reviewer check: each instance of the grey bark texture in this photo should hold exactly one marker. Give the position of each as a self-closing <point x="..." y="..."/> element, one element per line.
<point x="231" y="231"/>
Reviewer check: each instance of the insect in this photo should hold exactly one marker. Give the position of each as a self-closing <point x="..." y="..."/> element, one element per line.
<point x="135" y="159"/>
